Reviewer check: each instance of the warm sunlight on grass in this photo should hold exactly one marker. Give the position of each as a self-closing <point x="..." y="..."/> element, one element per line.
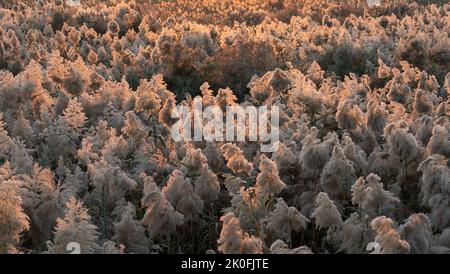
<point x="224" y="126"/>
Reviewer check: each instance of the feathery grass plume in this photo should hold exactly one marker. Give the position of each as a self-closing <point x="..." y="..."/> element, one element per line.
<point x="314" y="154"/>
<point x="180" y="193"/>
<point x="338" y="175"/>
<point x="370" y="196"/>
<point x="207" y="95"/>
<point x="16" y="90"/>
<point x="181" y="149"/>
<point x="235" y="159"/>
<point x="74" y="36"/>
<point x="119" y="152"/>
<point x="251" y="245"/>
<point x="130" y="232"/>
<point x="225" y="98"/>
<point x="58" y="139"/>
<point x="73" y="114"/>
<point x="423" y="104"/>
<point x="21" y="129"/>
<point x="40" y="198"/>
<point x="233" y="184"/>
<point x="268" y="182"/>
<point x="284" y="219"/>
<point x="443" y="111"/>
<point x="315" y="73"/>
<point x="110" y="247"/>
<point x="41" y="97"/>
<point x="401" y="143"/>
<point x="19" y="157"/>
<point x="440" y="211"/>
<point x="355" y="154"/>
<point x="304" y="93"/>
<point x="427" y="82"/>
<point x="440" y="141"/>
<point x="442" y="242"/>
<point x="214" y="156"/>
<point x="364" y="138"/>
<point x="113" y="27"/>
<point x="383" y="70"/>
<point x="399" y="93"/>
<point x="350" y="236"/>
<point x="326" y="214"/>
<point x="383" y="164"/>
<point x="397" y="112"/>
<point x="147" y="100"/>
<point x="75" y="227"/>
<point x="269" y="85"/>
<point x="434" y="189"/>
<point x="193" y="161"/>
<point x="207" y="185"/>
<point x="435" y="177"/>
<point x="160" y="87"/>
<point x="75" y="183"/>
<point x="151" y="189"/>
<point x="279" y="80"/>
<point x="92" y="57"/>
<point x="259" y="89"/>
<point x="283" y="157"/>
<point x="13" y="151"/>
<point x="304" y="202"/>
<point x="249" y="208"/>
<point x="280" y="247"/>
<point x="387" y="237"/>
<point x="377" y="116"/>
<point x="134" y="129"/>
<point x="349" y="116"/>
<point x="409" y="74"/>
<point x="160" y="217"/>
<point x="424" y="129"/>
<point x="87" y="154"/>
<point x="109" y="184"/>
<point x="418" y="233"/>
<point x="233" y="240"/>
<point x="231" y="235"/>
<point x="76" y="78"/>
<point x="13" y="220"/>
<point x="165" y="114"/>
